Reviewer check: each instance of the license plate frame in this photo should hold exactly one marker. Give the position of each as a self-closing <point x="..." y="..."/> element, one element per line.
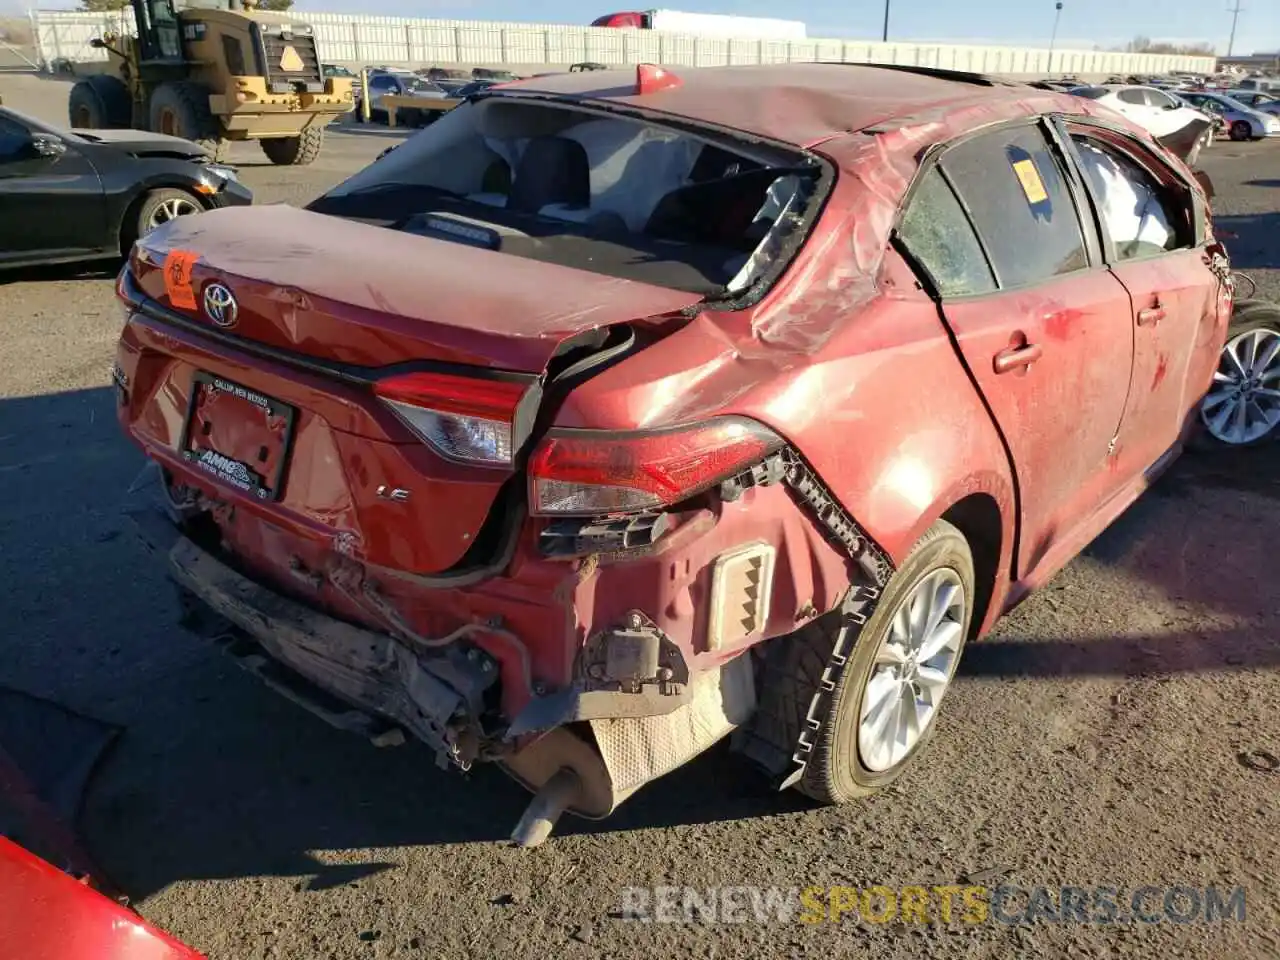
<point x="224" y="468"/>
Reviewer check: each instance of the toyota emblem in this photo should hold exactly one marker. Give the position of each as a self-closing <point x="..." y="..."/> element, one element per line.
<point x="220" y="305"/>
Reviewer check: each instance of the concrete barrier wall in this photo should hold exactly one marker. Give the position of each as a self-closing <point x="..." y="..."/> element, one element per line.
<point x="361" y="40"/>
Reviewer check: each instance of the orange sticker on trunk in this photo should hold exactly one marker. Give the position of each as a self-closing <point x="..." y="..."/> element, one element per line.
<point x="177" y="278"/>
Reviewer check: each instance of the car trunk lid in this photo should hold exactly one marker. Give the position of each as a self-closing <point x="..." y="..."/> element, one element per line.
<point x="300" y="407"/>
<point x="339" y="290"/>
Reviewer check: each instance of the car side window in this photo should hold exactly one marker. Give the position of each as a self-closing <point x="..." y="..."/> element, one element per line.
<point x="1137" y="212"/>
<point x="1157" y="99"/>
<point x="382" y="84"/>
<point x="1016" y="193"/>
<point x="937" y="234"/>
<point x="1132" y="96"/>
<point x="14" y="138"/>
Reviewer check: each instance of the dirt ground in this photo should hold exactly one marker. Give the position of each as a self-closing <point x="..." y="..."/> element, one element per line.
<point x="1111" y="732"/>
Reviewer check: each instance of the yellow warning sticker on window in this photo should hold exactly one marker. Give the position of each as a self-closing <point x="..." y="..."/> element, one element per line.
<point x="1029" y="177"/>
<point x="290" y="62"/>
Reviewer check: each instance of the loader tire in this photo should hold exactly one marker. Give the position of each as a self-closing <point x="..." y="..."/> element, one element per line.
<point x="181" y="109"/>
<point x="294" y="151"/>
<point x="99" y="103"/>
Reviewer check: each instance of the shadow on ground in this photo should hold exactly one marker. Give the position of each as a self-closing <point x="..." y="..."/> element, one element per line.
<point x="82" y="270"/>
<point x="214" y="776"/>
<point x="1250" y="240"/>
<point x="373" y="130"/>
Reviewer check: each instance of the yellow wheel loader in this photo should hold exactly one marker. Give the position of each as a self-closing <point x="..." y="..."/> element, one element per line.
<point x="215" y="73"/>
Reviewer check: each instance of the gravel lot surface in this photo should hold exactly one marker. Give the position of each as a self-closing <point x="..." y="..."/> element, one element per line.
<point x="1106" y="734"/>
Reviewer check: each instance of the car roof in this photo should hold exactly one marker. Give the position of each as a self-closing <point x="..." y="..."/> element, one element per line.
<point x="803" y="104"/>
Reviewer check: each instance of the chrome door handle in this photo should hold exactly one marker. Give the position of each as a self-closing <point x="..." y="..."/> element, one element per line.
<point x="1016" y="358"/>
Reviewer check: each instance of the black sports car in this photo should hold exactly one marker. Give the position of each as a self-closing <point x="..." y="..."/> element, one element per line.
<point x="87" y="194"/>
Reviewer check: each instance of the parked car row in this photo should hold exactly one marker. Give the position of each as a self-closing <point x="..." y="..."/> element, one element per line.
<point x="1188" y="121"/>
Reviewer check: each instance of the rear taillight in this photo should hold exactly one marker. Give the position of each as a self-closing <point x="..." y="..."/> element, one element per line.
<point x="589" y="473"/>
<point x="126" y="293"/>
<point x="462" y="418"/>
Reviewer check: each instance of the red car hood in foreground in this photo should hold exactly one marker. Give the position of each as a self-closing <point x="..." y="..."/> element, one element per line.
<point x="47" y="915"/>
<point x="335" y="289"/>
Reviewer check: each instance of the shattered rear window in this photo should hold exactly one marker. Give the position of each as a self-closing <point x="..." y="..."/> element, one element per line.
<point x="603" y="193"/>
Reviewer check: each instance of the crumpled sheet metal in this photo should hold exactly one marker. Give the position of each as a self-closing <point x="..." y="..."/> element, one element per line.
<point x="284" y="261"/>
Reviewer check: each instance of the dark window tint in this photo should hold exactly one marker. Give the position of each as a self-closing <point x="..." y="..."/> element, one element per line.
<point x="1090" y="93"/>
<point x="382" y="83"/>
<point x="233" y="53"/>
<point x="13" y="139"/>
<point x="1014" y="189"/>
<point x="1139" y="215"/>
<point x="938" y="236"/>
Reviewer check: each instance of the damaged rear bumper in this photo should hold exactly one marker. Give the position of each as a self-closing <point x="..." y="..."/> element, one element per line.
<point x="381" y="687"/>
<point x="353" y="678"/>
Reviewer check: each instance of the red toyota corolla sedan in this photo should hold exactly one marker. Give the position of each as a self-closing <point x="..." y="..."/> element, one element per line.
<point x="619" y="412"/>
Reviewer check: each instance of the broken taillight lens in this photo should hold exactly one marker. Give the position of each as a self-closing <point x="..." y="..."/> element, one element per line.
<point x="591" y="473"/>
<point x="462" y="418"/>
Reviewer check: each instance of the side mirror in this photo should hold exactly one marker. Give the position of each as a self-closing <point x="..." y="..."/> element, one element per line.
<point x="98" y="43"/>
<point x="47" y="146"/>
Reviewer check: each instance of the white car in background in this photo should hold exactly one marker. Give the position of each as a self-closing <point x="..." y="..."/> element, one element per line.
<point x="1183" y="129"/>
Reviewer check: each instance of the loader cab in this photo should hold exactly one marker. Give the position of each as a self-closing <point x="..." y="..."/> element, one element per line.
<point x="159" y="31"/>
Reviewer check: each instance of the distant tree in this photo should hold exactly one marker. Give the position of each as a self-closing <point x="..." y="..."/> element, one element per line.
<point x="275" y="4"/>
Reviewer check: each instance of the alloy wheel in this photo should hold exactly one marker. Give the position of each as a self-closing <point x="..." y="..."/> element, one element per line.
<point x="171" y="209"/>
<point x="1243" y="404"/>
<point x="912" y="670"/>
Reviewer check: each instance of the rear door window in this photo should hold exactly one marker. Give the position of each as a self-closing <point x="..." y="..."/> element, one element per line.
<point x="1140" y="216"/>
<point x="937" y="234"/>
<point x="1133" y="96"/>
<point x="1014" y="188"/>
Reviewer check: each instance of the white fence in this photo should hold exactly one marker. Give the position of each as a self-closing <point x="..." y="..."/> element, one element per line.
<point x="394" y="40"/>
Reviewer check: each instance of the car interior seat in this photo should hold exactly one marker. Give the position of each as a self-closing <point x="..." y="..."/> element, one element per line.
<point x="552" y="172"/>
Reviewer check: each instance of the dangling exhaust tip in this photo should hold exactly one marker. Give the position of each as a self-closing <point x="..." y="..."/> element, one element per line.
<point x="556" y="796"/>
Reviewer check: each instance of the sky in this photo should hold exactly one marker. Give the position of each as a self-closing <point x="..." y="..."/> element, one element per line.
<point x="1084" y="23"/>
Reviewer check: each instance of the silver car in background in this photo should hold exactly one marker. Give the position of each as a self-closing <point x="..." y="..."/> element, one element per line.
<point x="1243" y="122"/>
<point x="1258" y="100"/>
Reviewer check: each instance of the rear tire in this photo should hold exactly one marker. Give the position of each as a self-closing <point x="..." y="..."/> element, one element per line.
<point x="181" y="109"/>
<point x="1259" y="322"/>
<point x="99" y="103"/>
<point x="294" y="151"/>
<point x="838" y="771"/>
